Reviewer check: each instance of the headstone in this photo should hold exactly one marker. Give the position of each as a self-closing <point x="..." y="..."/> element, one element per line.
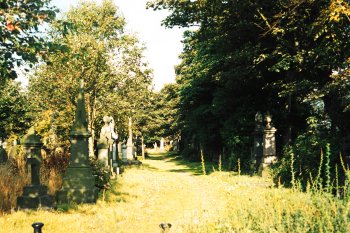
<point x="35" y="195"/>
<point x="120" y="154"/>
<point x="129" y="144"/>
<point x="79" y="182"/>
<point x="161" y="147"/>
<point x="3" y="154"/>
<point x="124" y="152"/>
<point x="155" y="146"/>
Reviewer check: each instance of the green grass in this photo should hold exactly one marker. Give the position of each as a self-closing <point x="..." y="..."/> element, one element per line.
<point x="169" y="189"/>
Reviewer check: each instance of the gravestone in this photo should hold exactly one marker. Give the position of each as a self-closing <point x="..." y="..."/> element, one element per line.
<point x="269" y="145"/>
<point x="161" y="147"/>
<point x="129" y="143"/>
<point x="34" y="195"/>
<point x="103" y="142"/>
<point x="120" y="153"/>
<point x="3" y="154"/>
<point x="79" y="182"/>
<point x="124" y="154"/>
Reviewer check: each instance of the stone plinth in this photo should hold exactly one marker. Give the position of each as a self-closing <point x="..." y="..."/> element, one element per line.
<point x="79" y="182"/>
<point x="102" y="151"/>
<point x="34" y="197"/>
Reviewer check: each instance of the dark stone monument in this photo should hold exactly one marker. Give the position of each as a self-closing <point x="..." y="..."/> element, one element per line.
<point x="258" y="142"/>
<point x="3" y="154"/>
<point x="35" y="195"/>
<point x="79" y="182"/>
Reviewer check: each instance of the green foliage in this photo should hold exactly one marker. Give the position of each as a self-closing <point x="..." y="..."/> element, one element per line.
<point x="14" y="110"/>
<point x="21" y="40"/>
<point x="102" y="174"/>
<point x="109" y="61"/>
<point x="241" y="57"/>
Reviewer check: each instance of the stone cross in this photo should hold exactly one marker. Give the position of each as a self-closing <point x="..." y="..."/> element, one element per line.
<point x="35" y="195"/>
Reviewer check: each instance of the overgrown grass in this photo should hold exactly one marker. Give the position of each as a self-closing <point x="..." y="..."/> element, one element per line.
<point x="168" y="189"/>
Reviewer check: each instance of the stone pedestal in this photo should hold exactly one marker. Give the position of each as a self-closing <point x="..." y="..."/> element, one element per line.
<point x="269" y="149"/>
<point x="129" y="144"/>
<point x="102" y="151"/>
<point x="124" y="153"/>
<point x="79" y="182"/>
<point x="35" y="195"/>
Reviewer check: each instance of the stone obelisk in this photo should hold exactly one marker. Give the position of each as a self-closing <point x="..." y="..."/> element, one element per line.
<point x="78" y="182"/>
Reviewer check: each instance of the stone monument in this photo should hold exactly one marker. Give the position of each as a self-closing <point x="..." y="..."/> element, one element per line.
<point x="258" y="142"/>
<point x="129" y="143"/>
<point x="269" y="145"/>
<point x="102" y="143"/>
<point x="79" y="182"/>
<point x="3" y="154"/>
<point x="35" y="195"/>
<point x="161" y="147"/>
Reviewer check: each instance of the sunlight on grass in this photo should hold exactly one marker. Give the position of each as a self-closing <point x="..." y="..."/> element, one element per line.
<point x="166" y="189"/>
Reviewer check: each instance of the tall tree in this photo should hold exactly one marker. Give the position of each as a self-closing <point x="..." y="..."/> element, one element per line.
<point x="100" y="53"/>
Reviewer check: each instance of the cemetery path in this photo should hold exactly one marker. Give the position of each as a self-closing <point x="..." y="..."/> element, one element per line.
<point x="167" y="190"/>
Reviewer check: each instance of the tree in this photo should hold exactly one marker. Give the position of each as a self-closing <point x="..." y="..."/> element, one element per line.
<point x="20" y="27"/>
<point x="100" y="53"/>
<point x="258" y="55"/>
<point x="14" y="110"/>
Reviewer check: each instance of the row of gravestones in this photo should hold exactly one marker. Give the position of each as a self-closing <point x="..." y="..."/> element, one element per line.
<point x="78" y="182"/>
<point x="110" y="149"/>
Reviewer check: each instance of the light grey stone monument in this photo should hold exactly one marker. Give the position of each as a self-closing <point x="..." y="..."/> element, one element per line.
<point x="161" y="147"/>
<point x="34" y="195"/>
<point x="269" y="145"/>
<point x="124" y="155"/>
<point x="102" y="143"/>
<point x="129" y="143"/>
<point x="79" y="182"/>
<point x="120" y="153"/>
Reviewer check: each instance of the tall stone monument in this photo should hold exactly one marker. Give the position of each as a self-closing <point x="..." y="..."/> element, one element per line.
<point x="161" y="147"/>
<point x="34" y="195"/>
<point x="129" y="143"/>
<point x="269" y="145"/>
<point x="78" y="182"/>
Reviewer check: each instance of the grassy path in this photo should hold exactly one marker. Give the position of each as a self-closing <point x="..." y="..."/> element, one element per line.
<point x="168" y="190"/>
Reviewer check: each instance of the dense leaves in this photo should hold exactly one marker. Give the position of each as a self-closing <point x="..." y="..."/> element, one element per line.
<point x="109" y="61"/>
<point x="241" y="57"/>
<point x="21" y="41"/>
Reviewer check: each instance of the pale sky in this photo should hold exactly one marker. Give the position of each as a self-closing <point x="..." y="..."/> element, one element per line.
<point x="163" y="45"/>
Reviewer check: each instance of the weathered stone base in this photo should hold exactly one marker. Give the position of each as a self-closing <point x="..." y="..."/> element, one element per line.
<point x="35" y="197"/>
<point x="264" y="168"/>
<point x="78" y="186"/>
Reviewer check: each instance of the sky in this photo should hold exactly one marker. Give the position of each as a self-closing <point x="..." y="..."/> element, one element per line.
<point x="163" y="45"/>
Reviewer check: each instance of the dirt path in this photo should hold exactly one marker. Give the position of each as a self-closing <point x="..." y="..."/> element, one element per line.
<point x="166" y="191"/>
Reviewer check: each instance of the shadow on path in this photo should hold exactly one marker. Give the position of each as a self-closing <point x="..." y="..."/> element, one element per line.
<point x="180" y="165"/>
